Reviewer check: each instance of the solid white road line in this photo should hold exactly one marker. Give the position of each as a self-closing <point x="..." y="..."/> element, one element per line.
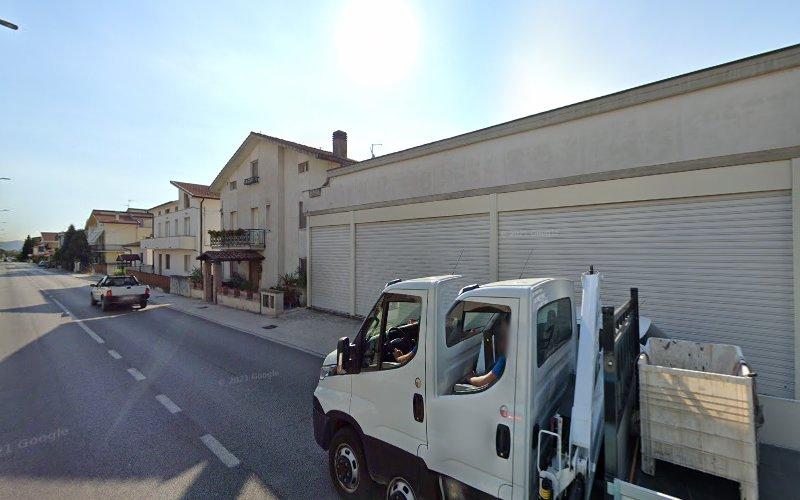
<point x="168" y="404"/>
<point x="136" y="374"/>
<point x="114" y="354"/>
<point x="220" y="451"/>
<point x="79" y="322"/>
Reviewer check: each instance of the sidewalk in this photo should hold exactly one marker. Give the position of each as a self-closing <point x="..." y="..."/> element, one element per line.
<point x="310" y="331"/>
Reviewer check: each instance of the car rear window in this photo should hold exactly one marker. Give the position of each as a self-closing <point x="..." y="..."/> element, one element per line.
<point x="121" y="281"/>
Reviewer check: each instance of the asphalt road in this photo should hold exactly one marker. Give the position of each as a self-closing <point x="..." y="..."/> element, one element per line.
<point x="218" y="413"/>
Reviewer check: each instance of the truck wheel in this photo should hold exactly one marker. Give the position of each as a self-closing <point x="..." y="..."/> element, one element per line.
<point x="348" y="467"/>
<point x="104" y="305"/>
<point x="91" y="300"/>
<point x="142" y="304"/>
<point x="400" y="489"/>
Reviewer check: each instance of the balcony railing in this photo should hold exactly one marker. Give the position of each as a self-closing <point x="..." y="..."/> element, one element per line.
<point x="238" y="238"/>
<point x="251" y="180"/>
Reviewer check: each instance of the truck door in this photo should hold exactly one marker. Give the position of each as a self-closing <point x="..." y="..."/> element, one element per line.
<point x="471" y="430"/>
<point x="388" y="394"/>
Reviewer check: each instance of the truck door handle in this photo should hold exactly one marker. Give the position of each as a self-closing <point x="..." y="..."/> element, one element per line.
<point x="419" y="407"/>
<point x="502" y="441"/>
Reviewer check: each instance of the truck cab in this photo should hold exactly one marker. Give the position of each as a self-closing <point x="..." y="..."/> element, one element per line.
<point x="445" y="388"/>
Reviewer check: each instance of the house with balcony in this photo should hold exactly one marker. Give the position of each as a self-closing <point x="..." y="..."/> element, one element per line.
<point x="181" y="229"/>
<point x="263" y="220"/>
<point x="110" y="233"/>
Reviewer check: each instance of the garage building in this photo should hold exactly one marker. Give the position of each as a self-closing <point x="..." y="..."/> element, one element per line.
<point x="687" y="188"/>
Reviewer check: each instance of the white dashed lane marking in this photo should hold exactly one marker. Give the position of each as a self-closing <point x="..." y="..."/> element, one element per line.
<point x="220" y="451"/>
<point x="168" y="404"/>
<point x="136" y="374"/>
<point x="114" y="354"/>
<point x="79" y="322"/>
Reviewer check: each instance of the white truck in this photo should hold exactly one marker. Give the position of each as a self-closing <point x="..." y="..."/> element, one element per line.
<point x="118" y="290"/>
<point x="419" y="402"/>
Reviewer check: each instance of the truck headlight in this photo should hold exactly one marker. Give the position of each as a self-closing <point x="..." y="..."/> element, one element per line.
<point x="327" y="370"/>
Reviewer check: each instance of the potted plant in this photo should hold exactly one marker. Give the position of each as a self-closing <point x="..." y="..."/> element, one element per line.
<point x="196" y="277"/>
<point x="236" y="282"/>
<point x="249" y="288"/>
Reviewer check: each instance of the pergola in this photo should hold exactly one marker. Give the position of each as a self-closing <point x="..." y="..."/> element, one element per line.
<point x="213" y="259"/>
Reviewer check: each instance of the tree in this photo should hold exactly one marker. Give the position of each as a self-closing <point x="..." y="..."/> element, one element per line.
<point x="74" y="248"/>
<point x="27" y="249"/>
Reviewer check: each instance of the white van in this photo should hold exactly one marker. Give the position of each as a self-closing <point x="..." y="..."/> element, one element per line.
<point x="418" y="401"/>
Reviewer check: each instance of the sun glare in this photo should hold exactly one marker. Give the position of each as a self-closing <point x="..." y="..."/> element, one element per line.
<point x="377" y="41"/>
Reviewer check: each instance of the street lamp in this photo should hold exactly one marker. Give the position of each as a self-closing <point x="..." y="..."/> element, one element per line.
<point x="9" y="25"/>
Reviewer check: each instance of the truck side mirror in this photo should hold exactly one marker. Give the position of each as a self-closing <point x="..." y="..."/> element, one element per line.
<point x="343" y="355"/>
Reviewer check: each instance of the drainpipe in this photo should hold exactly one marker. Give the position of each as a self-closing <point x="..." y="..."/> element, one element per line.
<point x="200" y="251"/>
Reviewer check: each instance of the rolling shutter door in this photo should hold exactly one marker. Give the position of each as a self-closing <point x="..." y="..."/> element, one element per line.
<point x="712" y="269"/>
<point x="418" y="248"/>
<point x="330" y="268"/>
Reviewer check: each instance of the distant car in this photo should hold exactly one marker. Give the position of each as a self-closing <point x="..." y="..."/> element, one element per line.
<point x="42" y="263"/>
<point x="119" y="290"/>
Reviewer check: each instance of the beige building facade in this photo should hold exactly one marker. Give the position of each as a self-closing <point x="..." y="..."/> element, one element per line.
<point x="263" y="190"/>
<point x="180" y="229"/>
<point x="687" y="188"/>
<point x="109" y="232"/>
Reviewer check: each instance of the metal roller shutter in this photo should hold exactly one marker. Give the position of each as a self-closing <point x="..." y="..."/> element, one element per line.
<point x="712" y="269"/>
<point x="330" y="268"/>
<point x="417" y="248"/>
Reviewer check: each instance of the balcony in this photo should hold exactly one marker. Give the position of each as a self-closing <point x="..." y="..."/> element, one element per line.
<point x="238" y="238"/>
<point x="176" y="242"/>
<point x="251" y="180"/>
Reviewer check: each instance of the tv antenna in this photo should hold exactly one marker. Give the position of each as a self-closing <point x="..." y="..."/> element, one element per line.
<point x="372" y="148"/>
<point x="525" y="265"/>
<point x="129" y="203"/>
<point x="458" y="261"/>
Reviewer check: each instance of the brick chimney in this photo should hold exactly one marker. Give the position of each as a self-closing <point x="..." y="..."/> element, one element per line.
<point x="340" y="144"/>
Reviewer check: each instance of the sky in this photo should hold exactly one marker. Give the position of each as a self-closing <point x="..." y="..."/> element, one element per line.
<point x="106" y="102"/>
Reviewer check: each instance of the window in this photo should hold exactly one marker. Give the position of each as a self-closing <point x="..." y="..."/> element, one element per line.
<point x="232" y="185"/>
<point x="234" y="220"/>
<point x="553" y="328"/>
<point x="121" y="281"/>
<point x="185" y="200"/>
<point x="186" y="226"/>
<point x="167" y="261"/>
<point x="302" y="167"/>
<point x="254" y="168"/>
<point x="302" y="266"/>
<point x="302" y="216"/>
<point x="467" y="319"/>
<point x="266" y="217"/>
<point x="254" y="218"/>
<point x="166" y="211"/>
<point x="166" y="226"/>
<point x="390" y="332"/>
<point x="186" y="263"/>
<point x="158" y="230"/>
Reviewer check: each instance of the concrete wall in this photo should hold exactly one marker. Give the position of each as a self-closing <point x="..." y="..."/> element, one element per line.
<point x="753" y="115"/>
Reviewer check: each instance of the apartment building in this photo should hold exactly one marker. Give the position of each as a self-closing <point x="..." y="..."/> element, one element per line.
<point x="262" y="212"/>
<point x="181" y="229"/>
<point x="111" y="233"/>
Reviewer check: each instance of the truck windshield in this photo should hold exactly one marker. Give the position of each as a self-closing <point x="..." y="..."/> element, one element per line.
<point x="467" y="319"/>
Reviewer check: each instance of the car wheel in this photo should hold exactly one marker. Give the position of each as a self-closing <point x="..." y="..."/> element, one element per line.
<point x="348" y="467"/>
<point x="400" y="489"/>
<point x="142" y="304"/>
<point x="104" y="305"/>
<point x="91" y="299"/>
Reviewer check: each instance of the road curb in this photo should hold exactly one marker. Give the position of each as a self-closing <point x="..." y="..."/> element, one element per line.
<point x="242" y="330"/>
